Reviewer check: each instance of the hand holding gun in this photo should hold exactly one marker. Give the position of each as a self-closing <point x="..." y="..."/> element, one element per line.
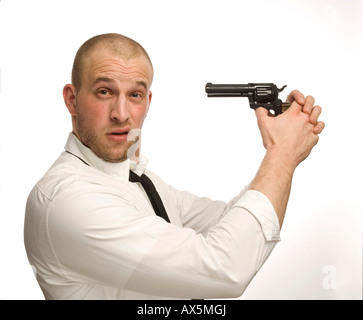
<point x="259" y="94"/>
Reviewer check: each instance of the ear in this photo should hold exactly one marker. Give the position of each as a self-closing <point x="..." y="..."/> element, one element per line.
<point x="148" y="106"/>
<point x="69" y="95"/>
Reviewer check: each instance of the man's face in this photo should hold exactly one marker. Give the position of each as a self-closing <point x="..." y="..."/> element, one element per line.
<point x="113" y="100"/>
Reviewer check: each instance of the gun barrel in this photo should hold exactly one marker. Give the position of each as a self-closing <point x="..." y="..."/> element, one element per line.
<point x="259" y="94"/>
<point x="228" y="90"/>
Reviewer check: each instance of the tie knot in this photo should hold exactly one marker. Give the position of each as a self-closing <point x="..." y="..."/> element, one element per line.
<point x="133" y="177"/>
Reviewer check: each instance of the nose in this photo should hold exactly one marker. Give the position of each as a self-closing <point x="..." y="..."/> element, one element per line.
<point x="120" y="110"/>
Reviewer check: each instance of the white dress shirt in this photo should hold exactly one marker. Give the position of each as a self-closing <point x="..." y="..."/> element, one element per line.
<point x="91" y="234"/>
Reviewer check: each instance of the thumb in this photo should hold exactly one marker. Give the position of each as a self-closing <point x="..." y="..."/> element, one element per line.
<point x="261" y="113"/>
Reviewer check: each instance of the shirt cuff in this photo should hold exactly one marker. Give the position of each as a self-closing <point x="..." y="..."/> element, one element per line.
<point x="261" y="208"/>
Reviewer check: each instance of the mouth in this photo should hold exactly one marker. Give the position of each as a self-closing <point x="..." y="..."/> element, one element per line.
<point x="118" y="135"/>
<point x="120" y="131"/>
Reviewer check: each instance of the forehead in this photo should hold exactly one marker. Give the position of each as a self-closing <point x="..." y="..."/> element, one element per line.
<point x="103" y="63"/>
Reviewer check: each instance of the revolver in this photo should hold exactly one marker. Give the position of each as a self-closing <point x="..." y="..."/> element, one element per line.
<point x="259" y="95"/>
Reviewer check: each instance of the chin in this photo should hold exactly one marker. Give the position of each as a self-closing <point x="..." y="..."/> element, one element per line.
<point x="116" y="160"/>
<point x="109" y="155"/>
<point x="114" y="157"/>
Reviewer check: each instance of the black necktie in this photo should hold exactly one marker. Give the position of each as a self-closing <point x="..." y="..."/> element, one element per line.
<point x="151" y="192"/>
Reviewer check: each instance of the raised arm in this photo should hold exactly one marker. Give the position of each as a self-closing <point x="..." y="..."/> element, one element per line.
<point x="288" y="139"/>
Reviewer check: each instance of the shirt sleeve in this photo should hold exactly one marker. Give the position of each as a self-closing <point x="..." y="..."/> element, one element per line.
<point x="261" y="208"/>
<point x="198" y="213"/>
<point x="202" y="213"/>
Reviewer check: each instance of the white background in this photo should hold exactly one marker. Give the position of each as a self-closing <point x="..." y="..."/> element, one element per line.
<point x="314" y="46"/>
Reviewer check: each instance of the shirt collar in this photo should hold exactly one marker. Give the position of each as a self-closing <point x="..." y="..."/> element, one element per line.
<point x="118" y="170"/>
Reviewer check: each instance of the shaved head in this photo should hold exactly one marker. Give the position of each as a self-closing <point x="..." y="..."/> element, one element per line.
<point x="117" y="44"/>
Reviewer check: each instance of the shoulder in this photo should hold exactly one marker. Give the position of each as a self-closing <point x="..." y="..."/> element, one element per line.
<point x="64" y="172"/>
<point x="70" y="176"/>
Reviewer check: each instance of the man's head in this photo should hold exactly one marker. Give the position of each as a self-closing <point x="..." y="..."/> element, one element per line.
<point x="110" y="94"/>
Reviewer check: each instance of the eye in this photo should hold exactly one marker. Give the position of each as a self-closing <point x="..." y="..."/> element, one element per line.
<point x="103" y="92"/>
<point x="135" y="95"/>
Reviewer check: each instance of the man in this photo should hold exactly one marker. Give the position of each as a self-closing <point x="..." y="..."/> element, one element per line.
<point x="90" y="233"/>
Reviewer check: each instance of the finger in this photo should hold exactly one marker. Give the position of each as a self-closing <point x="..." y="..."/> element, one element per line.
<point x="309" y="105"/>
<point x="319" y="127"/>
<point x="297" y="96"/>
<point x="314" y="115"/>
<point x="295" y="107"/>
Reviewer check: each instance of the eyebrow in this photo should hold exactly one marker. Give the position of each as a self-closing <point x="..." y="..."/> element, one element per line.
<point x="107" y="79"/>
<point x="142" y="83"/>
